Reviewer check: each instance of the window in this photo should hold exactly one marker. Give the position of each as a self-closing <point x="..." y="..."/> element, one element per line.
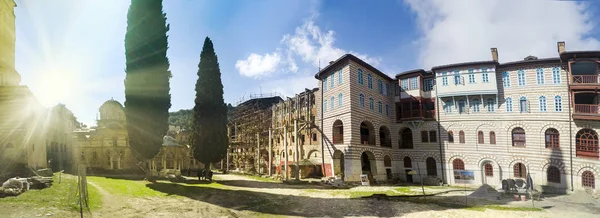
<point x="340" y="100"/>
<point x="471" y="76"/>
<point x="448" y="107"/>
<point x="458" y="164"/>
<point x="340" y="77"/>
<point x="542" y="103"/>
<point x="490" y="105"/>
<point x="485" y="76"/>
<point x="371" y="104"/>
<point x="519" y="170"/>
<point x="461" y="106"/>
<point x="553" y="174"/>
<point x="508" y="104"/>
<point x="380" y="86"/>
<point x="406" y="138"/>
<point x="489" y="169"/>
<point x="404" y="84"/>
<point x="114" y="141"/>
<point x="555" y="75"/>
<point x="407" y="162"/>
<point x="539" y="74"/>
<point x="82" y="156"/>
<point x="518" y="137"/>
<point x="506" y="79"/>
<point x="552" y="138"/>
<point x="557" y="103"/>
<point x="379" y="107"/>
<point x="314" y="136"/>
<point x="428" y="84"/>
<point x="396" y="90"/>
<point x="444" y="79"/>
<point x="457" y="78"/>
<point x="386" y="92"/>
<point x="94" y="155"/>
<point x="521" y="77"/>
<point x="325" y="106"/>
<point x="586" y="143"/>
<point x="424" y="136"/>
<point x="325" y="84"/>
<point x="362" y="100"/>
<point x="461" y="137"/>
<point x="523" y="105"/>
<point x="587" y="180"/>
<point x="432" y="136"/>
<point x="476" y="105"/>
<point x="480" y="139"/>
<point x="450" y="137"/>
<point x="332" y="102"/>
<point x="369" y="81"/>
<point x="492" y="138"/>
<point x="387" y="110"/>
<point x="431" y="166"/>
<point x="414" y="83"/>
<point x="332" y="82"/>
<point x="360" y="77"/>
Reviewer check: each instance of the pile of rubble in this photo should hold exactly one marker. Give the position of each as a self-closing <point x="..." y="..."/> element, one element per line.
<point x="17" y="185"/>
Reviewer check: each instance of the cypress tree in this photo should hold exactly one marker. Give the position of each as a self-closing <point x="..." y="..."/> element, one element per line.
<point x="210" y="112"/>
<point x="147" y="98"/>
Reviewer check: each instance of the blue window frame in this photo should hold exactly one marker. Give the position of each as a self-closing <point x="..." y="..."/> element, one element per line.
<point x="557" y="103"/>
<point x="332" y="102"/>
<point x="444" y="79"/>
<point x="360" y="77"/>
<point x="521" y="77"/>
<point x="340" y="100"/>
<point x="506" y="79"/>
<point x="362" y="100"/>
<point x="508" y="104"/>
<point x="379" y="107"/>
<point x="325" y="106"/>
<point x="414" y="83"/>
<point x="371" y="104"/>
<point x="387" y="110"/>
<point x="332" y="82"/>
<point x="490" y="105"/>
<point x="369" y="81"/>
<point x="523" y="105"/>
<point x="404" y="84"/>
<point x="476" y="105"/>
<point x="471" y="76"/>
<point x="539" y="74"/>
<point x="387" y="90"/>
<point x="380" y="86"/>
<point x="556" y="75"/>
<point x="457" y="78"/>
<point x="542" y="103"/>
<point x="448" y="106"/>
<point x="340" y="77"/>
<point x="325" y="84"/>
<point x="485" y="77"/>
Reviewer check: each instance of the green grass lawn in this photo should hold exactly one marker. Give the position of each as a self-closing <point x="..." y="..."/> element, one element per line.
<point x="138" y="188"/>
<point x="62" y="196"/>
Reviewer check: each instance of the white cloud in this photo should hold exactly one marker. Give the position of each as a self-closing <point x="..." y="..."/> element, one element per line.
<point x="298" y="84"/>
<point x="464" y="30"/>
<point x="308" y="43"/>
<point x="258" y="65"/>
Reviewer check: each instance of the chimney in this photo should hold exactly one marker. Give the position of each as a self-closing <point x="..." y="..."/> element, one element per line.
<point x="494" y="54"/>
<point x="561" y="47"/>
<point x="331" y="62"/>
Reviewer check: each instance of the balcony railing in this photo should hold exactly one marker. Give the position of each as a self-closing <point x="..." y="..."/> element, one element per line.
<point x="593" y="109"/>
<point x="586" y="79"/>
<point x="417" y="114"/>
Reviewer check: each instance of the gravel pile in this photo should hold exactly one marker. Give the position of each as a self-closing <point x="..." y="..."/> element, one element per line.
<point x="485" y="191"/>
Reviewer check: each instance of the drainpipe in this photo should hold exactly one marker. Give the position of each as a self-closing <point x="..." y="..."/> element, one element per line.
<point x="322" y="134"/>
<point x="439" y="126"/>
<point x="570" y="126"/>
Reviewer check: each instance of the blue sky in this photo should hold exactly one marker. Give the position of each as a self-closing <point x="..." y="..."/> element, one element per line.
<point x="72" y="51"/>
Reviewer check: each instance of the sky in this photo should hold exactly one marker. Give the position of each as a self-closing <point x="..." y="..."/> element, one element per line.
<point x="72" y="51"/>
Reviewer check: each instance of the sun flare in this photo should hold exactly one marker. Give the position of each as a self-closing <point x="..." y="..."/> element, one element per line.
<point x="55" y="85"/>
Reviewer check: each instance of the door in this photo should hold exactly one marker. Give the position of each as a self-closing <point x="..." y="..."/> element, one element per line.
<point x="408" y="177"/>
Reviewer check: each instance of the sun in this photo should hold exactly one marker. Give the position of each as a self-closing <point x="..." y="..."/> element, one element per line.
<point x="57" y="85"/>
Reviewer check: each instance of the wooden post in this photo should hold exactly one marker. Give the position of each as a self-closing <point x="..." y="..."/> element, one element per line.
<point x="270" y="151"/>
<point x="285" y="148"/>
<point x="258" y="157"/>
<point x="297" y="156"/>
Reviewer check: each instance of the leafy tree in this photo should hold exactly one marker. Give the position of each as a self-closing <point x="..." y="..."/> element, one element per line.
<point x="183" y="118"/>
<point x="147" y="98"/>
<point x="210" y="112"/>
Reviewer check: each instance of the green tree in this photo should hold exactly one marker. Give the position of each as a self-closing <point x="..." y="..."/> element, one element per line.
<point x="210" y="112"/>
<point x="147" y="98"/>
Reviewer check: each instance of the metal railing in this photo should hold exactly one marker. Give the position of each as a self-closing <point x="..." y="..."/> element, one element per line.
<point x="586" y="79"/>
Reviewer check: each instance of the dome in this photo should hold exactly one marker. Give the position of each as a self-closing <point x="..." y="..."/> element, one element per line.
<point x="112" y="110"/>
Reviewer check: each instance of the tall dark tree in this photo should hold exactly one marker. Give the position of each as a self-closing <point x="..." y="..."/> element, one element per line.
<point x="147" y="98"/>
<point x="210" y="112"/>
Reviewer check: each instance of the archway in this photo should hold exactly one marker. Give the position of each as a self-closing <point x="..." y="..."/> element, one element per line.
<point x="338" y="164"/>
<point x="367" y="133"/>
<point x="406" y="138"/>
<point x="387" y="163"/>
<point x="491" y="173"/>
<point x="384" y="137"/>
<point x="368" y="165"/>
<point x="338" y="132"/>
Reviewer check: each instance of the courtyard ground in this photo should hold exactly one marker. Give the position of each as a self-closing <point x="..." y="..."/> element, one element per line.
<point x="242" y="196"/>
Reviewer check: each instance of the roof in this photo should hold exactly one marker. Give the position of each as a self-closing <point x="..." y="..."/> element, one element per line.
<point x="579" y="54"/>
<point x="262" y="103"/>
<point x="342" y="60"/>
<point x="112" y="102"/>
<point x="410" y="72"/>
<point x="464" y="64"/>
<point x="529" y="61"/>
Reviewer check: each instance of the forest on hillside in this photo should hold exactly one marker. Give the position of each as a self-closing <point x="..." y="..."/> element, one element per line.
<point x="184" y="117"/>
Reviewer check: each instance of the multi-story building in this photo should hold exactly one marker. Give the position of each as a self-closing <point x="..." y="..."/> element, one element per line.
<point x="493" y="120"/>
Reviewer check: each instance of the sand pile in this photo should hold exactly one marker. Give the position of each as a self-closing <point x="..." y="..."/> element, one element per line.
<point x="485" y="191"/>
<point x="582" y="197"/>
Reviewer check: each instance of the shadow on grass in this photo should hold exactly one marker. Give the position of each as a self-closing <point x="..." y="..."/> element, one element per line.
<point x="260" y="184"/>
<point x="289" y="205"/>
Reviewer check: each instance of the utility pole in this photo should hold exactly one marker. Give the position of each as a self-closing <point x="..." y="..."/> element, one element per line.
<point x="270" y="151"/>
<point x="297" y="156"/>
<point x="285" y="151"/>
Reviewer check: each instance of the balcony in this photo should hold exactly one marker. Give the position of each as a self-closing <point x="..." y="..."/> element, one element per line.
<point x="586" y="112"/>
<point x="416" y="115"/>
<point x="585" y="80"/>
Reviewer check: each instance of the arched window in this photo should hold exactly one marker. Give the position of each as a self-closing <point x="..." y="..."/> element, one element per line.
<point x="587" y="180"/>
<point x="557" y="103"/>
<point x="360" y="77"/>
<point x="371" y="104"/>
<point x="492" y="138"/>
<point x="461" y="137"/>
<point x="490" y="105"/>
<point x="379" y="107"/>
<point x="518" y="137"/>
<point x="362" y="100"/>
<point x="325" y="106"/>
<point x="553" y="174"/>
<point x="508" y="104"/>
<point x="542" y="103"/>
<point x="458" y="164"/>
<point x="480" y="139"/>
<point x="340" y="99"/>
<point x="332" y="102"/>
<point x="406" y="138"/>
<point x="387" y="161"/>
<point x="523" y="105"/>
<point x="587" y="143"/>
<point x="552" y="138"/>
<point x="489" y="169"/>
<point x="384" y="137"/>
<point x="476" y="105"/>
<point x="519" y="170"/>
<point x="369" y="81"/>
<point x="367" y="133"/>
<point x="450" y="137"/>
<point x="431" y="166"/>
<point x="338" y="132"/>
<point x="407" y="162"/>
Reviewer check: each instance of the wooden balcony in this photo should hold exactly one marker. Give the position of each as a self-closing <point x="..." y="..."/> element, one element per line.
<point x="585" y="80"/>
<point x="416" y="115"/>
<point x="586" y="112"/>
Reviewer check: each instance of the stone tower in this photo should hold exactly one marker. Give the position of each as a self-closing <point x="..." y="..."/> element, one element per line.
<point x="8" y="73"/>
